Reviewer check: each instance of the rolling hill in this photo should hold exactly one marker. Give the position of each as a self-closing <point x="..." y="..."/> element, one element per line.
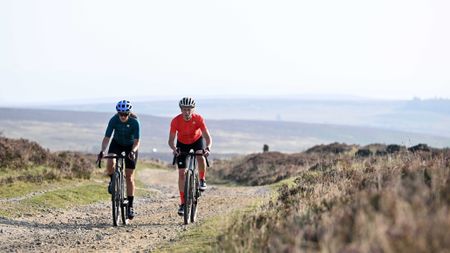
<point x="430" y="116"/>
<point x="83" y="131"/>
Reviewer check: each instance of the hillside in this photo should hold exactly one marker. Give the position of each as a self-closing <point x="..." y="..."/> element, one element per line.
<point x="83" y="131"/>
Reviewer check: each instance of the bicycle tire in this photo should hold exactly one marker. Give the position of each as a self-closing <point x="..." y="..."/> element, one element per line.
<point x="115" y="198"/>
<point x="195" y="196"/>
<point x="187" y="198"/>
<point x="123" y="205"/>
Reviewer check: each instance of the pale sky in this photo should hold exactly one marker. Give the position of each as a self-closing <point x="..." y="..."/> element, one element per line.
<point x="64" y="50"/>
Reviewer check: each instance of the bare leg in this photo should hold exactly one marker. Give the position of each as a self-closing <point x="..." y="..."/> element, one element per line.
<point x="130" y="182"/>
<point x="201" y="164"/>
<point x="110" y="166"/>
<point x="181" y="179"/>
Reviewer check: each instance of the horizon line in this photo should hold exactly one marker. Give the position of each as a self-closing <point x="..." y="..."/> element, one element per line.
<point x="306" y="97"/>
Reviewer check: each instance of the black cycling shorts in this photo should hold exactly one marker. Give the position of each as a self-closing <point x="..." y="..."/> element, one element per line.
<point x="116" y="148"/>
<point x="182" y="159"/>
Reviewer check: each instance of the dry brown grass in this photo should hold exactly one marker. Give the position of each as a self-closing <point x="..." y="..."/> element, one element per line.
<point x="28" y="161"/>
<point x="271" y="167"/>
<point x="391" y="203"/>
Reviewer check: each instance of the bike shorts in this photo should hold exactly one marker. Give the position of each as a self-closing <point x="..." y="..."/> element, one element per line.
<point x="116" y="148"/>
<point x="182" y="159"/>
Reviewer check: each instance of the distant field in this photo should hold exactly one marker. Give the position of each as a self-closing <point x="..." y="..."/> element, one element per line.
<point x="423" y="116"/>
<point x="83" y="131"/>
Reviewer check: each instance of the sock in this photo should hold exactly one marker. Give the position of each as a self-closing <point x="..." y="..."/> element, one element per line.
<point x="130" y="201"/>
<point x="202" y="175"/>
<point x="182" y="197"/>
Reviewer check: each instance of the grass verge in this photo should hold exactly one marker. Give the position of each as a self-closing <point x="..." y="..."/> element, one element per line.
<point x="288" y="182"/>
<point x="204" y="236"/>
<point x="70" y="195"/>
<point x="21" y="189"/>
<point x="198" y="239"/>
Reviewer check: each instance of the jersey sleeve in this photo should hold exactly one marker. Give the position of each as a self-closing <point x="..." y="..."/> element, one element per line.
<point x="173" y="127"/>
<point x="202" y="124"/>
<point x="109" y="129"/>
<point x="137" y="130"/>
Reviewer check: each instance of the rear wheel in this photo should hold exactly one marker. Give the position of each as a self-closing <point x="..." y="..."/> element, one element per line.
<point x="115" y="198"/>
<point x="187" y="197"/>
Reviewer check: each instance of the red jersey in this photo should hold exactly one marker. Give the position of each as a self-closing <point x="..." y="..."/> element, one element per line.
<point x="190" y="131"/>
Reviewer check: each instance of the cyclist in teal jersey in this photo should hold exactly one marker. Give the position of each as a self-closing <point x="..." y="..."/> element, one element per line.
<point x="126" y="128"/>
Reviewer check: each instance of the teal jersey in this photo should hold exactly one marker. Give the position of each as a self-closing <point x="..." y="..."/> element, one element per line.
<point x="124" y="133"/>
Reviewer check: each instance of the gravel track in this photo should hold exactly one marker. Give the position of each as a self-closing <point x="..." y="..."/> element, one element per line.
<point x="89" y="228"/>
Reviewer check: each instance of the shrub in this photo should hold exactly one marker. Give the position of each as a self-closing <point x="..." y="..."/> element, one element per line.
<point x="333" y="148"/>
<point x="24" y="155"/>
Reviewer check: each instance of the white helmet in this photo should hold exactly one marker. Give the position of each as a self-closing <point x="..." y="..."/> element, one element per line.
<point x="123" y="106"/>
<point x="187" y="102"/>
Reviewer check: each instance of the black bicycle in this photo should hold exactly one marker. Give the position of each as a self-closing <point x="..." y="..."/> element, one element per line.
<point x="118" y="200"/>
<point x="191" y="186"/>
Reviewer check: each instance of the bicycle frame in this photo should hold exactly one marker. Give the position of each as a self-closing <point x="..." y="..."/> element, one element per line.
<point x="191" y="186"/>
<point x="119" y="201"/>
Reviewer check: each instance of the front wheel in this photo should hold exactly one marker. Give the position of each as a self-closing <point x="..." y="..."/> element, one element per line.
<point x="187" y="197"/>
<point x="115" y="198"/>
<point x="123" y="203"/>
<point x="195" y="195"/>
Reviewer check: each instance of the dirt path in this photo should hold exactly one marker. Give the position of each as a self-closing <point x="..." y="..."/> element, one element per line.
<point x="88" y="228"/>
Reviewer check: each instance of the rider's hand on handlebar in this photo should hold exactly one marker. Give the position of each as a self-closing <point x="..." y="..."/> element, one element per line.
<point x="99" y="158"/>
<point x="132" y="155"/>
<point x="206" y="152"/>
<point x="176" y="152"/>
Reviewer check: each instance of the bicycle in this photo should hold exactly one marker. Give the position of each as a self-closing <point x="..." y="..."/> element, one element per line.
<point x="119" y="202"/>
<point x="191" y="186"/>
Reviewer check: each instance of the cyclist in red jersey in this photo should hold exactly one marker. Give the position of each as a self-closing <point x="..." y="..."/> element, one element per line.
<point x="191" y="133"/>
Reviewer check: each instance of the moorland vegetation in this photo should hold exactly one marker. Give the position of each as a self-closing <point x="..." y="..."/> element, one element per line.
<point x="393" y="200"/>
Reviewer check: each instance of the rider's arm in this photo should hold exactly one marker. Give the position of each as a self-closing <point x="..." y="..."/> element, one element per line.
<point x="136" y="144"/>
<point x="207" y="137"/>
<point x="171" y="141"/>
<point x="105" y="144"/>
<point x="108" y="133"/>
<point x="205" y="133"/>
<point x="137" y="135"/>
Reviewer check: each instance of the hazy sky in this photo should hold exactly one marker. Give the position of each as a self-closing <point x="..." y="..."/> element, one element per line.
<point x="62" y="50"/>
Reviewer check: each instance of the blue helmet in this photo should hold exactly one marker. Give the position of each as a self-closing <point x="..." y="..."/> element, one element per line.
<point x="123" y="106"/>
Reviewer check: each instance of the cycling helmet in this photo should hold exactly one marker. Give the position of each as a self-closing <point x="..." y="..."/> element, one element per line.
<point x="187" y="102"/>
<point x="123" y="106"/>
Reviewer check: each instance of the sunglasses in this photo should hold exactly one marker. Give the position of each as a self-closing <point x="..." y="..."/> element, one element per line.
<point x="123" y="114"/>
